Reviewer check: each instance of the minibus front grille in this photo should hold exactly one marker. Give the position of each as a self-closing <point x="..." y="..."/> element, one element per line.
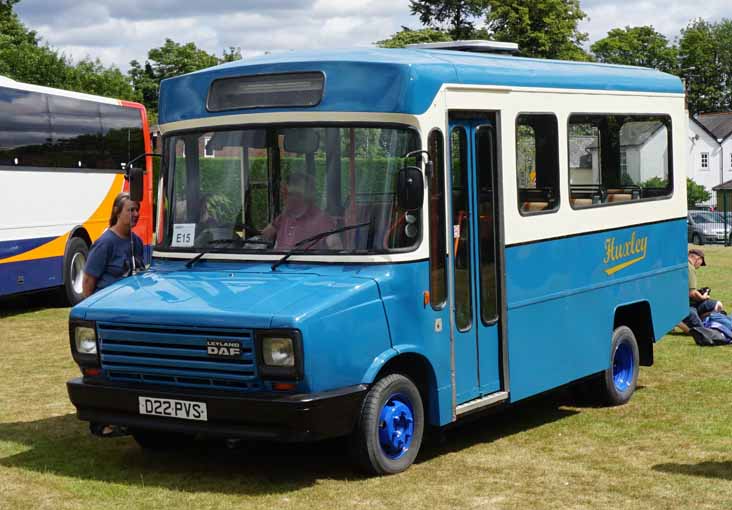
<point x="177" y="356"/>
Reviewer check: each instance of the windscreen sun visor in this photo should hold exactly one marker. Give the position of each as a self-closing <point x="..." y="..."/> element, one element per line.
<point x="266" y="91"/>
<point x="301" y="140"/>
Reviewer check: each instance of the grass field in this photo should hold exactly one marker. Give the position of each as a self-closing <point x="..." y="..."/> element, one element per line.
<point x="670" y="447"/>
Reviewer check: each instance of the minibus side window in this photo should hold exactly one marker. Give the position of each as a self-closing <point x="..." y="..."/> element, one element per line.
<point x="537" y="163"/>
<point x="461" y="227"/>
<point x="436" y="189"/>
<point x="486" y="163"/>
<point x="618" y="158"/>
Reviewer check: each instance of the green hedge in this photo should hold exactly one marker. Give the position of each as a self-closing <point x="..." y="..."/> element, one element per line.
<point x="221" y="182"/>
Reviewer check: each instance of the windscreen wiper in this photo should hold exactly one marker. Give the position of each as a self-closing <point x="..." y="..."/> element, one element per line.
<point x="195" y="259"/>
<point x="310" y="241"/>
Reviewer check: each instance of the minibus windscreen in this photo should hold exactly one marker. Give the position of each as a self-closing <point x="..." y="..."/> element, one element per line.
<point x="266" y="189"/>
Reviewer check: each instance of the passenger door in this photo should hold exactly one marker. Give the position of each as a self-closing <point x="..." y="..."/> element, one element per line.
<point x="474" y="256"/>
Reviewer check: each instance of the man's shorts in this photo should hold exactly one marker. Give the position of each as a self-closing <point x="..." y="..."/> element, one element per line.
<point x="706" y="306"/>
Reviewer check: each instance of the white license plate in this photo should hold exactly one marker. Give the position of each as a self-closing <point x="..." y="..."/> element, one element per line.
<point x="173" y="408"/>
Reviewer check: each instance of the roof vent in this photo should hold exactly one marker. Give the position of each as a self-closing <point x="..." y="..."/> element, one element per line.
<point x="474" y="46"/>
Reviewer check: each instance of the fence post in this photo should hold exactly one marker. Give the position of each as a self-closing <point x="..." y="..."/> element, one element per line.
<point x="724" y="206"/>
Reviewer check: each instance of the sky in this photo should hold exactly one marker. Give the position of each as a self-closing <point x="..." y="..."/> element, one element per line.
<point x="118" y="31"/>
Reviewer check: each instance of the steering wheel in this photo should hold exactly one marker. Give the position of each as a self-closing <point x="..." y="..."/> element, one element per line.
<point x="248" y="227"/>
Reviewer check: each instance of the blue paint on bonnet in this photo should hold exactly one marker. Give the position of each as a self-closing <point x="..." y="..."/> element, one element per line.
<point x="403" y="80"/>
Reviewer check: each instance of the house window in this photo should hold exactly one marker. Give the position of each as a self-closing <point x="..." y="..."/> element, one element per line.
<point x="623" y="162"/>
<point x="705" y="161"/>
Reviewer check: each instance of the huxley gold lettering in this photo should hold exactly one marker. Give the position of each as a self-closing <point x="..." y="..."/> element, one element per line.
<point x="624" y="254"/>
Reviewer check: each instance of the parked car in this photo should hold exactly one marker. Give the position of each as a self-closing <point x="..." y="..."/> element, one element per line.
<point x="708" y="227"/>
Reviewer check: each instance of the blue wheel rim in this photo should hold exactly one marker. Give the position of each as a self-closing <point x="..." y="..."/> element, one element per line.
<point x="396" y="426"/>
<point x="623" y="367"/>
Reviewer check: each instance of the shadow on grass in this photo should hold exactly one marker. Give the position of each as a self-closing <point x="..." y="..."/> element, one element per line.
<point x="63" y="445"/>
<point x="501" y="422"/>
<point x="708" y="469"/>
<point x="31" y="302"/>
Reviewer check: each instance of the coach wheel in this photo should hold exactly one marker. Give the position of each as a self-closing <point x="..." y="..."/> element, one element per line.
<point x="621" y="377"/>
<point x="74" y="262"/>
<point x="697" y="239"/>
<point x="159" y="440"/>
<point x="390" y="428"/>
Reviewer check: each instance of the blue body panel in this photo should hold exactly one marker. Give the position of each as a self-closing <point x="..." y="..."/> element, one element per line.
<point x="37" y="274"/>
<point x="403" y="80"/>
<point x="561" y="301"/>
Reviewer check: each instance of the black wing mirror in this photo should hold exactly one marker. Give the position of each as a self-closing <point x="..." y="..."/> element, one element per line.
<point x="410" y="183"/>
<point x="135" y="176"/>
<point x="410" y="188"/>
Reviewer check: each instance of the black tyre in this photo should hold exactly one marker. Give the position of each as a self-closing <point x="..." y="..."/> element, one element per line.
<point x="619" y="381"/>
<point x="159" y="440"/>
<point x="74" y="262"/>
<point x="697" y="239"/>
<point x="390" y="429"/>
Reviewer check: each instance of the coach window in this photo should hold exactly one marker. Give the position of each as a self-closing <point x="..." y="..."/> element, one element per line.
<point x="76" y="131"/>
<point x="436" y="190"/>
<point x="618" y="158"/>
<point x="26" y="133"/>
<point x="122" y="137"/>
<point x="537" y="163"/>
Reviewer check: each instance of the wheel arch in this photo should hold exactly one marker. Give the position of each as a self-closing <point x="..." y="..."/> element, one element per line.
<point x="407" y="360"/>
<point x="80" y="232"/>
<point x="638" y="317"/>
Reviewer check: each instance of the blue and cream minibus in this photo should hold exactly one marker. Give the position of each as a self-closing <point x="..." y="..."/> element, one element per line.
<point x="478" y="228"/>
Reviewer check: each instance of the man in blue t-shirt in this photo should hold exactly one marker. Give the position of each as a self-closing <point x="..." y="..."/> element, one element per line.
<point x="110" y="258"/>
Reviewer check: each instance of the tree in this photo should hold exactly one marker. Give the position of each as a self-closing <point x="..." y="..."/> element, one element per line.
<point x="232" y="54"/>
<point x="705" y="61"/>
<point x="171" y="59"/>
<point x="542" y="28"/>
<point x="11" y="29"/>
<point x="408" y="36"/>
<point x="695" y="193"/>
<point x="92" y="77"/>
<point x="455" y="17"/>
<point x="637" y="46"/>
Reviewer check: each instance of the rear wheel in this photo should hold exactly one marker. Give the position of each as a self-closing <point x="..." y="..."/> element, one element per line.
<point x="74" y="262"/>
<point x="697" y="239"/>
<point x="390" y="428"/>
<point x="619" y="381"/>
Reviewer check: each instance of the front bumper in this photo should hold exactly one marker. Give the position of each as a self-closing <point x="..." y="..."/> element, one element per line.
<point x="269" y="416"/>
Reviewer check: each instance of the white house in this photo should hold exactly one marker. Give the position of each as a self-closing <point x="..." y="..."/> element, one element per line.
<point x="642" y="154"/>
<point x="710" y="149"/>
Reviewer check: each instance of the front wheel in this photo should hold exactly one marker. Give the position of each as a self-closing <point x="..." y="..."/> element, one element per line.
<point x="389" y="431"/>
<point x="74" y="262"/>
<point x="620" y="379"/>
